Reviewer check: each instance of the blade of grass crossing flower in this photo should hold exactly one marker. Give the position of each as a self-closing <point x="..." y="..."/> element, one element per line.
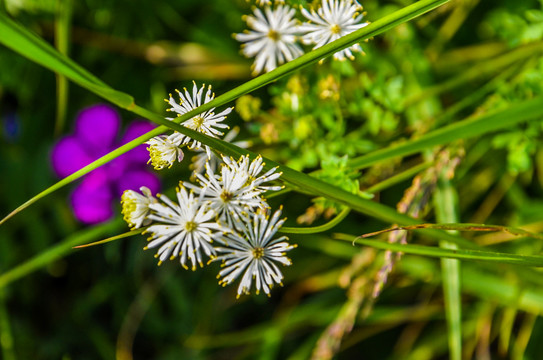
<point x="58" y="251"/>
<point x="303" y="182"/>
<point x="85" y="170"/>
<point x="39" y="51"/>
<point x="62" y="39"/>
<point x="472" y="255"/>
<point x="446" y="210"/>
<point x="21" y="40"/>
<point x="525" y="111"/>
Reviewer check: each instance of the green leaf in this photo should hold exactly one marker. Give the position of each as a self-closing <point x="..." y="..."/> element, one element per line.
<point x="525" y="111"/>
<point x="472" y="255"/>
<point x="446" y="210"/>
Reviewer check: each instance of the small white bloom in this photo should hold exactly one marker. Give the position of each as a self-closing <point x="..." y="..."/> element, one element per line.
<point x="273" y="40"/>
<point x="253" y="169"/>
<point x="199" y="160"/>
<point x="135" y="207"/>
<point x="164" y="151"/>
<point x="184" y="229"/>
<point x="206" y="123"/>
<point x="253" y="255"/>
<point x="334" y="19"/>
<point x="229" y="195"/>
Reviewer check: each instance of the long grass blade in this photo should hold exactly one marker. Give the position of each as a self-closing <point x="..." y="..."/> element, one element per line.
<point x="446" y="209"/>
<point x="525" y="111"/>
<point x="472" y="255"/>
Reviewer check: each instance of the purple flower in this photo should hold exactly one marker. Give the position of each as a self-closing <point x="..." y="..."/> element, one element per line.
<point x="95" y="135"/>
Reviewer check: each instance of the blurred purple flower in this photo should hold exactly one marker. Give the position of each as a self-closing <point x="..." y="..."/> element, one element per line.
<point x="95" y="135"/>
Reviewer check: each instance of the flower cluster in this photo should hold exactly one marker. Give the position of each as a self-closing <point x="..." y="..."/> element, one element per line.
<point x="223" y="217"/>
<point x="274" y="32"/>
<point x="165" y="150"/>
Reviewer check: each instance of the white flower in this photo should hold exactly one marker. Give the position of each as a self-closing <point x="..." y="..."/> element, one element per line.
<point x="164" y="151"/>
<point x="334" y="19"/>
<point x="199" y="160"/>
<point x="229" y="195"/>
<point x="273" y="40"/>
<point x="252" y="169"/>
<point x="253" y="255"/>
<point x="206" y="123"/>
<point x="135" y="207"/>
<point x="184" y="229"/>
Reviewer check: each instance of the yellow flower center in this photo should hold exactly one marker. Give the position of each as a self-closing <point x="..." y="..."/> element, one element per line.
<point x="198" y="122"/>
<point x="258" y="253"/>
<point x="226" y="196"/>
<point x="190" y="226"/>
<point x="274" y="35"/>
<point x="335" y="29"/>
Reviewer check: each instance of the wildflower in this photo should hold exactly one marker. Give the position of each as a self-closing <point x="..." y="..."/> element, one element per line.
<point x="200" y="159"/>
<point x="253" y="169"/>
<point x="253" y="255"/>
<point x="96" y="129"/>
<point x="183" y="229"/>
<point x="273" y="40"/>
<point x="206" y="122"/>
<point x="135" y="207"/>
<point x="230" y="195"/>
<point x="164" y="151"/>
<point x="334" y="19"/>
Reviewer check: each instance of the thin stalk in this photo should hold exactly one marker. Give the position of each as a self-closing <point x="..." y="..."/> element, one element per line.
<point x="62" y="40"/>
<point x="446" y="210"/>
<point x="317" y="229"/>
<point x="437" y="252"/>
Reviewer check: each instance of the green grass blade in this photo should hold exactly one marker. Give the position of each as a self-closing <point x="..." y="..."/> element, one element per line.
<point x="461" y="227"/>
<point x="461" y="254"/>
<point x="113" y="238"/>
<point x="62" y="40"/>
<point x="525" y="111"/>
<point x="446" y="210"/>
